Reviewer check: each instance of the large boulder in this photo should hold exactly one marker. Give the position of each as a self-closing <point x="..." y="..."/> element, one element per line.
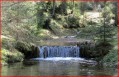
<point x="87" y="49"/>
<point x="28" y="49"/>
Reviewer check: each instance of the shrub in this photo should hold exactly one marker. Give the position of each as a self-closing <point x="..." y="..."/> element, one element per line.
<point x="111" y="59"/>
<point x="103" y="48"/>
<point x="23" y="46"/>
<point x="72" y="21"/>
<point x="11" y="56"/>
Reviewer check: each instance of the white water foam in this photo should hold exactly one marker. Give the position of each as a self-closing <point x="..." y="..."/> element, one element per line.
<point x="58" y="58"/>
<point x="66" y="59"/>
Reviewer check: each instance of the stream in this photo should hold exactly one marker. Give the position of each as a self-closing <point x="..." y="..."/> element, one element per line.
<point x="58" y="67"/>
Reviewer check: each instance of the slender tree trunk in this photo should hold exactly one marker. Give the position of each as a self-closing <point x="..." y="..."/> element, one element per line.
<point x="73" y="6"/>
<point x="53" y="13"/>
<point x="64" y="6"/>
<point x="104" y="34"/>
<point x="82" y="6"/>
<point x="104" y="30"/>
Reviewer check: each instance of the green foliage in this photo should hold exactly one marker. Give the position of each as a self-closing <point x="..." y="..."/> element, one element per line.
<point x="106" y="30"/>
<point x="24" y="46"/>
<point x="86" y="6"/>
<point x="72" y="21"/>
<point x="111" y="59"/>
<point x="7" y="42"/>
<point x="11" y="56"/>
<point x="103" y="48"/>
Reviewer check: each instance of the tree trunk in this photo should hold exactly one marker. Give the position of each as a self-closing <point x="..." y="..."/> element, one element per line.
<point x="73" y="6"/>
<point x="63" y="7"/>
<point x="53" y="13"/>
<point x="104" y="38"/>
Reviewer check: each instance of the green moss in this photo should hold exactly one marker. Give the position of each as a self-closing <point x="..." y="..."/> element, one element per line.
<point x="111" y="58"/>
<point x="11" y="56"/>
<point x="23" y="46"/>
<point x="8" y="42"/>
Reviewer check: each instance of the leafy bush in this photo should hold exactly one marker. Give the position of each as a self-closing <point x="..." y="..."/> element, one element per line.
<point x="23" y="46"/>
<point x="72" y="22"/>
<point x="103" y="48"/>
<point x="11" y="56"/>
<point x="111" y="58"/>
<point x="7" y="42"/>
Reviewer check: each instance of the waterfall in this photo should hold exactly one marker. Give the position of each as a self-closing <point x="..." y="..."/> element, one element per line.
<point x="59" y="51"/>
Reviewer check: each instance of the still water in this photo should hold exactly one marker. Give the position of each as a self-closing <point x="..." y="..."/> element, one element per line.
<point x="57" y="67"/>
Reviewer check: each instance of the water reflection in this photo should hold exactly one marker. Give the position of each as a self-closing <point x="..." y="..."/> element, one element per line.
<point x="56" y="68"/>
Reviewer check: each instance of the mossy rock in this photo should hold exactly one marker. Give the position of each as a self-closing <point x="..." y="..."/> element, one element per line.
<point x="23" y="46"/>
<point x="28" y="49"/>
<point x="87" y="49"/>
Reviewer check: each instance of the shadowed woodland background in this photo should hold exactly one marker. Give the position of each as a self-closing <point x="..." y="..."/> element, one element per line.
<point x="26" y="25"/>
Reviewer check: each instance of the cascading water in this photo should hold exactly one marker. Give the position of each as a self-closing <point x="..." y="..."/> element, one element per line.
<point x="59" y="51"/>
